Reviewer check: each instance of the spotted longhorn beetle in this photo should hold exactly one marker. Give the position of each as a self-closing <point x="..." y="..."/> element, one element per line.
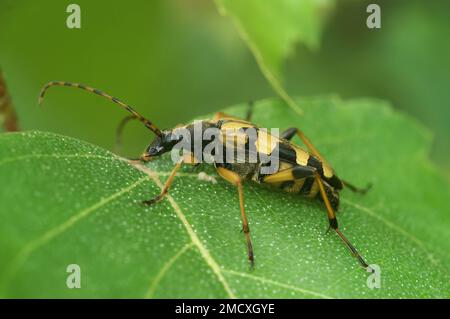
<point x="300" y="171"/>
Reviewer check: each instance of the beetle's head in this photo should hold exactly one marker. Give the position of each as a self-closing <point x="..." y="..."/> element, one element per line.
<point x="160" y="145"/>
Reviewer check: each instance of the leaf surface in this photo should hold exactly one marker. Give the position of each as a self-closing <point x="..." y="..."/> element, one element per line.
<point x="64" y="201"/>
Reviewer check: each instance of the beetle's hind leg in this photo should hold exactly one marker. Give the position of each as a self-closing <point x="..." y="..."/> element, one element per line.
<point x="289" y="134"/>
<point x="334" y="224"/>
<point x="300" y="172"/>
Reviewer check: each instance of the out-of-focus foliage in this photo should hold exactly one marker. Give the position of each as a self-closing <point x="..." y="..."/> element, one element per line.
<point x="405" y="62"/>
<point x="271" y="29"/>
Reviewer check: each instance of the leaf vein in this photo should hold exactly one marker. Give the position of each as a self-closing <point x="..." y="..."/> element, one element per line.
<point x="193" y="236"/>
<point x="31" y="246"/>
<point x="397" y="228"/>
<point x="372" y="214"/>
<point x="25" y="157"/>
<point x="165" y="268"/>
<point x="276" y="283"/>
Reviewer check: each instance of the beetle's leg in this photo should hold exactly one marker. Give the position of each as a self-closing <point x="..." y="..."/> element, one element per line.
<point x="334" y="224"/>
<point x="223" y="116"/>
<point x="189" y="158"/>
<point x="290" y="132"/>
<point x="356" y="189"/>
<point x="236" y="180"/>
<point x="299" y="172"/>
<point x="249" y="114"/>
<point x="166" y="185"/>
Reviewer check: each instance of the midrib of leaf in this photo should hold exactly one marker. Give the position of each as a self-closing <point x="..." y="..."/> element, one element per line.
<point x="192" y="235"/>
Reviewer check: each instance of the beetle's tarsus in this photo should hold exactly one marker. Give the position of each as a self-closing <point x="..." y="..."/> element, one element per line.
<point x="153" y="200"/>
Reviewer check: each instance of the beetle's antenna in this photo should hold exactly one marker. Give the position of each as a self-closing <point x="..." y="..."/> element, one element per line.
<point x="119" y="131"/>
<point x="138" y="116"/>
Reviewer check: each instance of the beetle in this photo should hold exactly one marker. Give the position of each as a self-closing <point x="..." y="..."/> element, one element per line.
<point x="305" y="172"/>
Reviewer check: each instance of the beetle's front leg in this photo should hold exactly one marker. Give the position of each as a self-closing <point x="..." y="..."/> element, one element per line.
<point x="166" y="187"/>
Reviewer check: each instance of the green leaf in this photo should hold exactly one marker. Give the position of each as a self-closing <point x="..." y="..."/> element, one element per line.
<point x="272" y="28"/>
<point x="64" y="202"/>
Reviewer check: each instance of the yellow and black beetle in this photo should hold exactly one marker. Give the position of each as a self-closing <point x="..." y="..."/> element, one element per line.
<point x="306" y="173"/>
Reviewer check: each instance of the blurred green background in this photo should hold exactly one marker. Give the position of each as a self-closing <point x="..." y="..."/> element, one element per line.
<point x="177" y="59"/>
